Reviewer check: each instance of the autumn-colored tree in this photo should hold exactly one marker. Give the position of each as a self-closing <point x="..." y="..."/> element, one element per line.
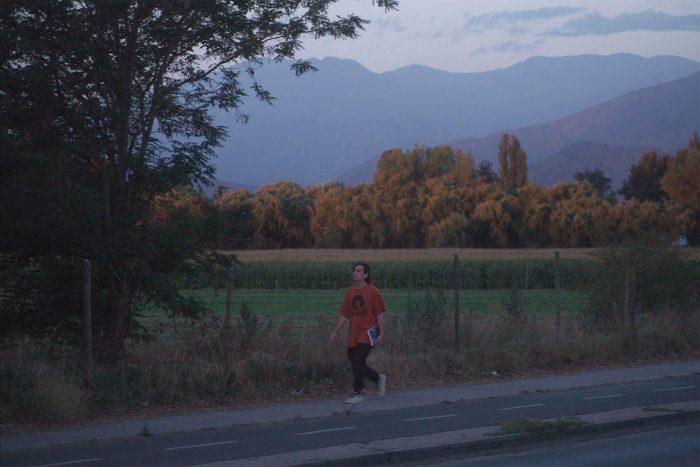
<point x="237" y="228"/>
<point x="441" y="198"/>
<point x="512" y="162"/>
<point x="452" y="231"/>
<point x="580" y="217"/>
<point x="360" y="216"/>
<point x="464" y="171"/>
<point x="448" y="193"/>
<point x="492" y="214"/>
<point x="182" y="200"/>
<point x="281" y="215"/>
<point x="396" y="214"/>
<point x="644" y="180"/>
<point x="536" y="205"/>
<point x="641" y="220"/>
<point x="331" y="220"/>
<point x="681" y="184"/>
<point x="412" y="188"/>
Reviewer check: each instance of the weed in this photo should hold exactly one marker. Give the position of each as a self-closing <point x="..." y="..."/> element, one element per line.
<point x="249" y="326"/>
<point x="34" y="388"/>
<point x="192" y="368"/>
<point x="425" y="319"/>
<point x="529" y="425"/>
<point x="654" y="408"/>
<point x="513" y="300"/>
<point x="146" y="431"/>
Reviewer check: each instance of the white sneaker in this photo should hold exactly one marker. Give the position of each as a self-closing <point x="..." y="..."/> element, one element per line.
<point x="382" y="385"/>
<point x="356" y="398"/>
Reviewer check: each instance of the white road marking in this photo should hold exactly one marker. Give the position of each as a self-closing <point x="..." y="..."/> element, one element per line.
<point x="609" y="396"/>
<point x="193" y="446"/>
<point x="80" y="461"/>
<point x="326" y="431"/>
<point x="521" y="407"/>
<point x="429" y="418"/>
<point x="674" y="389"/>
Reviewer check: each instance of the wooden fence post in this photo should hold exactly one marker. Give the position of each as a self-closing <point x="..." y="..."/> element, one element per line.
<point x="630" y="286"/>
<point x="626" y="303"/>
<point x="87" y="320"/>
<point x="456" y="285"/>
<point x="633" y="300"/>
<point x="229" y="299"/>
<point x="557" y="293"/>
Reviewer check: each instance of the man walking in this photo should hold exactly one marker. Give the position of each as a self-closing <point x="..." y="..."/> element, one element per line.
<point x="364" y="307"/>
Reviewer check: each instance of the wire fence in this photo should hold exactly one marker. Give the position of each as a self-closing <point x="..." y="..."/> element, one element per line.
<point x="225" y="299"/>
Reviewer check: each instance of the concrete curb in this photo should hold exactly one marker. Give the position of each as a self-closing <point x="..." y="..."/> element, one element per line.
<point x="512" y="442"/>
<point x="478" y="441"/>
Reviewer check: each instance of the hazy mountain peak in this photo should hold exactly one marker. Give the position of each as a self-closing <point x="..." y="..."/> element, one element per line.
<point x="327" y="122"/>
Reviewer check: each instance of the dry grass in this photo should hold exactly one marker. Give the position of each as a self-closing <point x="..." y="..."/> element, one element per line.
<point x="199" y="367"/>
<point x="426" y="254"/>
<point x="37" y="385"/>
<point x="196" y="365"/>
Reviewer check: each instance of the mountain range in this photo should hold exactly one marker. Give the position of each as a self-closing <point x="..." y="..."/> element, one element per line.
<point x="332" y="125"/>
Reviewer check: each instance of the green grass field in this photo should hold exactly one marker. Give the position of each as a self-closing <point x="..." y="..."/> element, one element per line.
<point x="303" y="302"/>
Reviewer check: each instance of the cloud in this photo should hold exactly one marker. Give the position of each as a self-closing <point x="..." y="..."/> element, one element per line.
<point x="508" y="18"/>
<point x="509" y="46"/>
<point x="595" y="24"/>
<point x="388" y="24"/>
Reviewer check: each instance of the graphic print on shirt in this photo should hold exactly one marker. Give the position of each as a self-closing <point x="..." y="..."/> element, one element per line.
<point x="358" y="306"/>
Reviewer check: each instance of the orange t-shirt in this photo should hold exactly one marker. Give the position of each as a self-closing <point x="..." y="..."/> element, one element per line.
<point x="362" y="306"/>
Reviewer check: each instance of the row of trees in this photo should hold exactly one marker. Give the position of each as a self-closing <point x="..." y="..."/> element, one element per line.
<point x="438" y="197"/>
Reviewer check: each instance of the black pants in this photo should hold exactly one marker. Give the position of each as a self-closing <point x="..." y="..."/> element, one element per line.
<point x="358" y="358"/>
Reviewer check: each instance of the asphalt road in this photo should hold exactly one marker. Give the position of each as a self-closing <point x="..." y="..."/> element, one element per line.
<point x="240" y="442"/>
<point x="674" y="447"/>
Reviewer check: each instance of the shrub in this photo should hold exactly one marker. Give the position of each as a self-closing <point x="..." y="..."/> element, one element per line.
<point x="657" y="278"/>
<point x="36" y="387"/>
<point x="248" y="327"/>
<point x="425" y="320"/>
<point x="513" y="300"/>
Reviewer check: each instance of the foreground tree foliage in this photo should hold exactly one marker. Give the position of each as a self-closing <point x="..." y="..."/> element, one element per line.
<point x="105" y="110"/>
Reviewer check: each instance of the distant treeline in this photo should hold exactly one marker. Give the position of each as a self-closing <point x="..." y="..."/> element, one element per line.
<point x="438" y="197"/>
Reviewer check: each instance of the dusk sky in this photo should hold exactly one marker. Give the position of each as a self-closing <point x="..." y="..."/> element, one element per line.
<point x="478" y="35"/>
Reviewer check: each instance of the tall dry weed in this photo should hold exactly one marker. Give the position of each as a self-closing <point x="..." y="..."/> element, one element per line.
<point x="201" y="365"/>
<point x="39" y="384"/>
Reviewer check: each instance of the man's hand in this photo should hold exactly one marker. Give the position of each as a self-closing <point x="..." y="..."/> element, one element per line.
<point x="380" y="339"/>
<point x="338" y="327"/>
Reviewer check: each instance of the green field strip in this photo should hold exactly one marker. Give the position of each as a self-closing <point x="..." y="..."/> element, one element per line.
<point x="303" y="301"/>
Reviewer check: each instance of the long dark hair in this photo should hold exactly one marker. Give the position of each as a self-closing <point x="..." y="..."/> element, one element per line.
<point x="365" y="266"/>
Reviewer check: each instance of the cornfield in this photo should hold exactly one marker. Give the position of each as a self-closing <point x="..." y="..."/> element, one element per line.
<point x="325" y="275"/>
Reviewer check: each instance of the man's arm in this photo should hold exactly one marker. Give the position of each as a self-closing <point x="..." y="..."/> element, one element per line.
<point x="338" y="327"/>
